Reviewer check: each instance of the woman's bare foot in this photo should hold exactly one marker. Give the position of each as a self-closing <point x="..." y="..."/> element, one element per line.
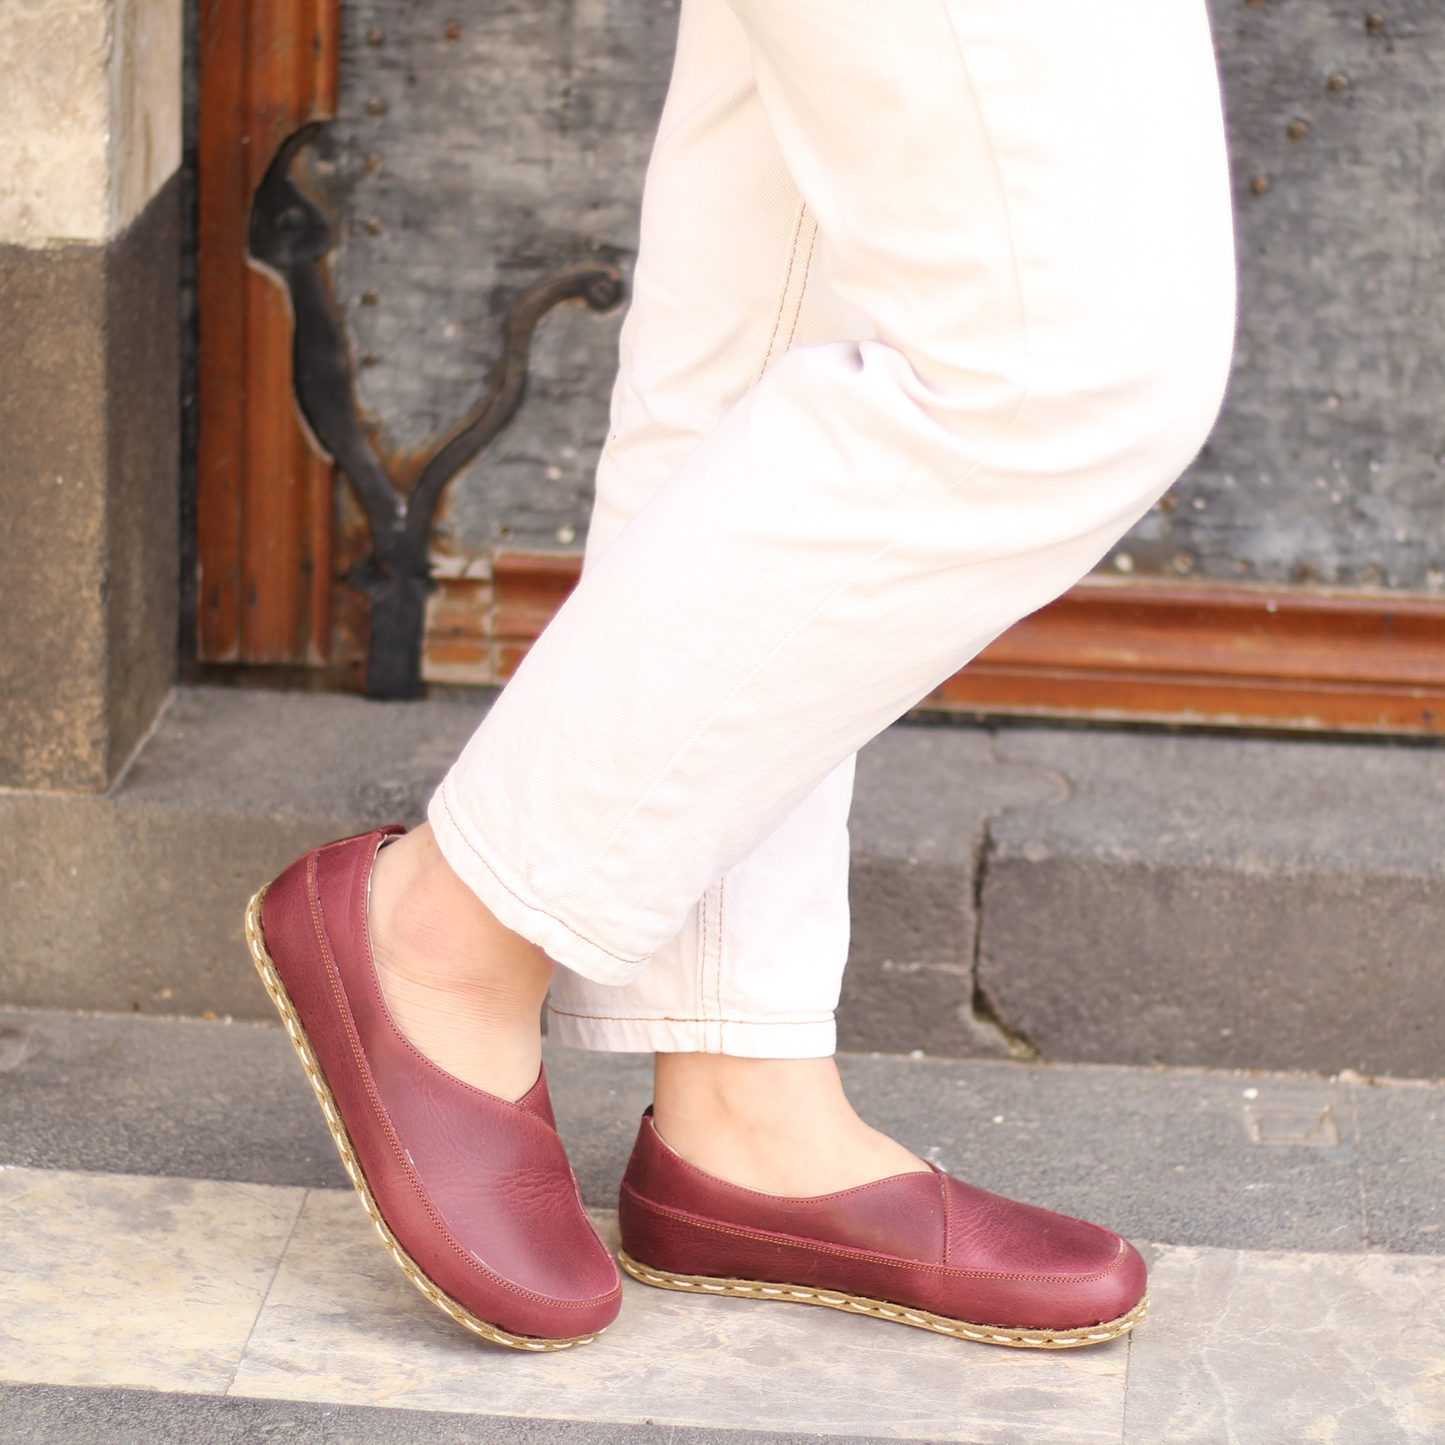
<point x="782" y="1126"/>
<point x="465" y="990"/>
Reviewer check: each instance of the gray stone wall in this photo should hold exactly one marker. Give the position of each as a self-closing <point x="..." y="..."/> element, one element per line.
<point x="1328" y="463"/>
<point x="480" y="148"/>
<point x="471" y="160"/>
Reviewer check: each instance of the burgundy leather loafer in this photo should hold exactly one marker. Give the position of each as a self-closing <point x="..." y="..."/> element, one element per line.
<point x="921" y="1249"/>
<point x="472" y="1196"/>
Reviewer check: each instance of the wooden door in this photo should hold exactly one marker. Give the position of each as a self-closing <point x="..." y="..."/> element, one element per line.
<point x="1170" y="650"/>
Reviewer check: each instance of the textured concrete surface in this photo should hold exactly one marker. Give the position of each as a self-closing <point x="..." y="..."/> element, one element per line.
<point x="1326" y="462"/>
<point x="142" y="505"/>
<point x="90" y="112"/>
<point x="135" y="900"/>
<point x="89" y="510"/>
<point x="60" y="1415"/>
<point x="1233" y="1161"/>
<point x="922" y="803"/>
<point x="1226" y="902"/>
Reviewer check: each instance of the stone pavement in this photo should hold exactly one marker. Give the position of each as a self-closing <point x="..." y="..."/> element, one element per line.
<point x="179" y="1264"/>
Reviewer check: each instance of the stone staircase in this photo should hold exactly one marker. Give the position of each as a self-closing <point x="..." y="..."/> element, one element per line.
<point x="1087" y="896"/>
<point x="1187" y="986"/>
<point x="184" y="1262"/>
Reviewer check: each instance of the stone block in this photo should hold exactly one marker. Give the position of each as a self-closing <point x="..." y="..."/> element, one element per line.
<point x="134" y="901"/>
<point x="89" y="501"/>
<point x="921" y="804"/>
<point x="91" y="115"/>
<point x="1226" y="902"/>
<point x="1097" y="897"/>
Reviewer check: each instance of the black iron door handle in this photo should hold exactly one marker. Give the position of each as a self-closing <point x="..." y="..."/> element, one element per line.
<point x="289" y="233"/>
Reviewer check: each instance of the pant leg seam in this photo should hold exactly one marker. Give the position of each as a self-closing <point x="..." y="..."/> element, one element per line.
<point x="700" y="973"/>
<point x="517" y="897"/>
<point x="682" y="1019"/>
<point x="722" y="884"/>
<point x="803" y="288"/>
<point x="783" y="294"/>
<point x="861" y="569"/>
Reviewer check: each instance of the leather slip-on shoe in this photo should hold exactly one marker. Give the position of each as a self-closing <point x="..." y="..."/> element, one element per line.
<point x="920" y="1249"/>
<point x="473" y="1196"/>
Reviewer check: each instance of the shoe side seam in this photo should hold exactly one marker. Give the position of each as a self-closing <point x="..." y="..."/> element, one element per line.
<point x="893" y="1261"/>
<point x="947" y="1201"/>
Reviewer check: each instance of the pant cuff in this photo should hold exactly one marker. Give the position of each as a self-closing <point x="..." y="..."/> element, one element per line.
<point x="802" y="1039"/>
<point x="506" y="898"/>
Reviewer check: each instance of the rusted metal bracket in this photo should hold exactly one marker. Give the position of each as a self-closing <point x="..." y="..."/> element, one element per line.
<point x="289" y="233"/>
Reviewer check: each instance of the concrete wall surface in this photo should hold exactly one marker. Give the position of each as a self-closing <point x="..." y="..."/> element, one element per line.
<point x="89" y="382"/>
<point x="1328" y="461"/>
<point x="477" y="151"/>
<point x="89" y="516"/>
<point x="1221" y="902"/>
<point x="91" y="114"/>
<point x="468" y="166"/>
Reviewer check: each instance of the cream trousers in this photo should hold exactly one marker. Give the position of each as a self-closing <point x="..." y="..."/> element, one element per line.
<point x="934" y="299"/>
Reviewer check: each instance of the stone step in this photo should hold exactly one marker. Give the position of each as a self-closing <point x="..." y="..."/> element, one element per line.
<point x="1289" y="1223"/>
<point x="1081" y="895"/>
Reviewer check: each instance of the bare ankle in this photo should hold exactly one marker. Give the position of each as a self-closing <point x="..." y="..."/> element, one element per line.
<point x="782" y="1126"/>
<point x="465" y="990"/>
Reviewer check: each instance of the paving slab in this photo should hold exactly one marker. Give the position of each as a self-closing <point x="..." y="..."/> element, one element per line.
<point x="327" y="1318"/>
<point x="1264" y="1349"/>
<point x="340" y="1324"/>
<point x="185" y="1287"/>
<point x="152" y="1283"/>
<point x="1228" y="902"/>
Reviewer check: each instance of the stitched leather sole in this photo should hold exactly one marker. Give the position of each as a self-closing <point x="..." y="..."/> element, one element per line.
<point x="881" y="1309"/>
<point x="409" y="1267"/>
